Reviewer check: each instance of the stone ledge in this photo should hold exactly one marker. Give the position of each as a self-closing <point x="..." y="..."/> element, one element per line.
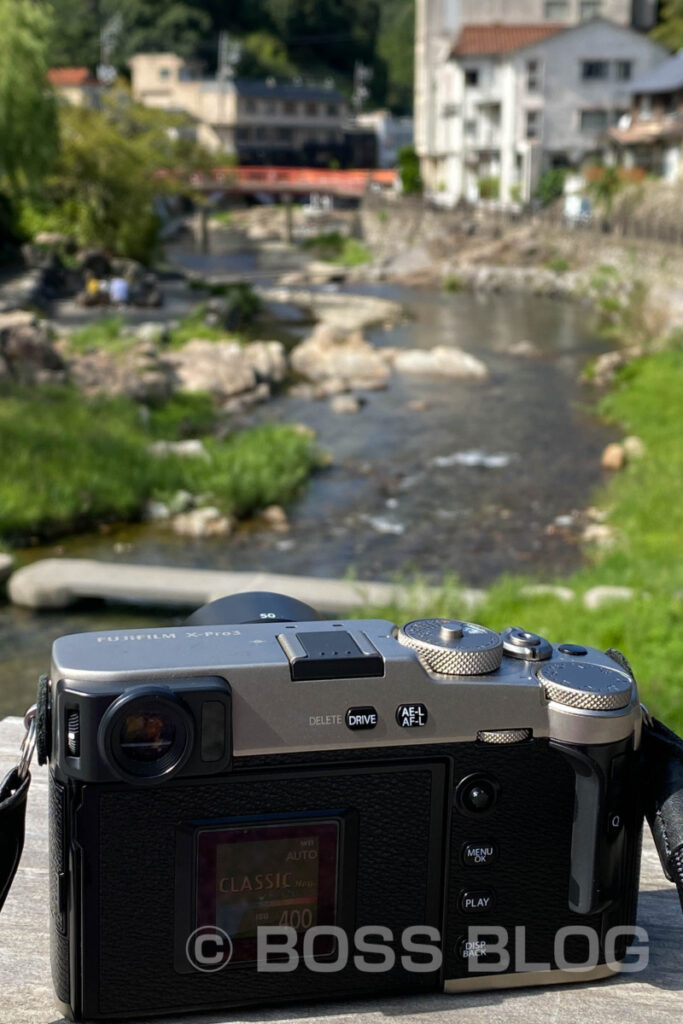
<point x="655" y="995"/>
<point x="59" y="582"/>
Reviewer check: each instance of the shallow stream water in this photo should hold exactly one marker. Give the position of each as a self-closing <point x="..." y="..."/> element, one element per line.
<point x="432" y="475"/>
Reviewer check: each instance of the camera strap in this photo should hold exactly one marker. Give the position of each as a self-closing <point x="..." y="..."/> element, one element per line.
<point x="661" y="773"/>
<point x="13" y="795"/>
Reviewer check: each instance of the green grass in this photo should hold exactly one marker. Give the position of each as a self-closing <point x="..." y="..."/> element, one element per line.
<point x="107" y="332"/>
<point x="558" y="264"/>
<point x="66" y="464"/>
<point x="223" y="217"/>
<point x="646" y="502"/>
<point x="337" y="248"/>
<point x="194" y="326"/>
<point x="453" y="283"/>
<point x="241" y="308"/>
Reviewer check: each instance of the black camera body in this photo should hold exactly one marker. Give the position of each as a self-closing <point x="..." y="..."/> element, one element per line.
<point x="289" y="809"/>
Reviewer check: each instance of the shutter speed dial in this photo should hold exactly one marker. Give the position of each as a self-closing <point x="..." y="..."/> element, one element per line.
<point x="453" y="648"/>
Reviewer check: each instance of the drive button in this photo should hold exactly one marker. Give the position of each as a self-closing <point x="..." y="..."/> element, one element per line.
<point x="361" y="718"/>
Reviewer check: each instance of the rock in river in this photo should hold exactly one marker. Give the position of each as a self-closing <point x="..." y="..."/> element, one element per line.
<point x="202" y="522"/>
<point x="444" y="360"/>
<point x="348" y="358"/>
<point x="226" y="368"/>
<point x="27" y="354"/>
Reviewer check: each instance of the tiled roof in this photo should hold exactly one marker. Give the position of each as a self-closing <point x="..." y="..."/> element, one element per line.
<point x="486" y="40"/>
<point x="666" y="77"/>
<point x="264" y="89"/>
<point x="71" y="76"/>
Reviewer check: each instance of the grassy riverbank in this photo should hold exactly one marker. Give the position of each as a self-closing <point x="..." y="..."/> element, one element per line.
<point x="645" y="504"/>
<point x="68" y="464"/>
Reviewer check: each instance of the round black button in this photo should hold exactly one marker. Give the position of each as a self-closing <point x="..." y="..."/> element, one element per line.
<point x="479" y="798"/>
<point x="476" y="794"/>
<point x="573" y="649"/>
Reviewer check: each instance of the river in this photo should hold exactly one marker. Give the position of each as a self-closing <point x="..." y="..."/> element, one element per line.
<point x="431" y="475"/>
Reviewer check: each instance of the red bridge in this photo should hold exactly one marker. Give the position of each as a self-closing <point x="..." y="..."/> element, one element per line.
<point x="292" y="180"/>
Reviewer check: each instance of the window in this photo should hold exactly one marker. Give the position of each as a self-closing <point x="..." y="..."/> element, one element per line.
<point x="594" y="70"/>
<point x="624" y="70"/>
<point x="285" y="134"/>
<point x="332" y="110"/>
<point x="243" y="134"/>
<point x="556" y="10"/>
<point x="590" y="9"/>
<point x="311" y="109"/>
<point x="470" y="127"/>
<point x="593" y="121"/>
<point x="472" y="76"/>
<point x="533" y="124"/>
<point x="533" y="77"/>
<point x="250" y="106"/>
<point x="451" y="109"/>
<point x="289" y="107"/>
<point x="164" y="72"/>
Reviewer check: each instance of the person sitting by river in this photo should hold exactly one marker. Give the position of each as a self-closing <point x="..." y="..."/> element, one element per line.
<point x="119" y="292"/>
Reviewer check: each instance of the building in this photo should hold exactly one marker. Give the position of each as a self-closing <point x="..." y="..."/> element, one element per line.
<point x="650" y="135"/>
<point x="505" y="90"/>
<point x="439" y="22"/>
<point x="259" y="122"/>
<point x="392" y="132"/>
<point x="77" y="86"/>
<point x="641" y="14"/>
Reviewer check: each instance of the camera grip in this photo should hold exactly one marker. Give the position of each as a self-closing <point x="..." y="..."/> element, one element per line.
<point x="599" y="831"/>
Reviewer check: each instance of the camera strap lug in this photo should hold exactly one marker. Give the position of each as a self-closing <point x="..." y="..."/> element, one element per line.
<point x="28" y="744"/>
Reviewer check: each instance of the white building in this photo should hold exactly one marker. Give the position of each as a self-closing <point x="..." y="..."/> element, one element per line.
<point x="392" y="132"/>
<point x="498" y="103"/>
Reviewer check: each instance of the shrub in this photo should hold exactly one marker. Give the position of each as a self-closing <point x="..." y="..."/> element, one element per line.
<point x="550" y="185"/>
<point x="409" y="171"/>
<point x="489" y="188"/>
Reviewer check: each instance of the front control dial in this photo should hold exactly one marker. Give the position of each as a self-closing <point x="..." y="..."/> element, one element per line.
<point x="453" y="648"/>
<point x="582" y="684"/>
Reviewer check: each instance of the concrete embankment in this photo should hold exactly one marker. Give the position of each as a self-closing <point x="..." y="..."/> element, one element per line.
<point x="60" y="582"/>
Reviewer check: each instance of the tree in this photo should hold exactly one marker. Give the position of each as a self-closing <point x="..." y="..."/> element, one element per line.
<point x="395" y="49"/>
<point x="264" y="54"/>
<point x="606" y="183"/>
<point x="409" y="170"/>
<point x="669" y="32"/>
<point x="28" y="118"/>
<point x="104" y="183"/>
<point x="77" y="40"/>
<point x="550" y="185"/>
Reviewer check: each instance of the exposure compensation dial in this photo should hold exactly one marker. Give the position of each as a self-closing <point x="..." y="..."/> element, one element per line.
<point x="585" y="685"/>
<point x="453" y="648"/>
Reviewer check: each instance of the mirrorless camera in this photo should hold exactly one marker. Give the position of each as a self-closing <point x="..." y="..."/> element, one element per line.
<point x="260" y="807"/>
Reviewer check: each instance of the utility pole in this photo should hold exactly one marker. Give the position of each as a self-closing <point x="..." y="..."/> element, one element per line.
<point x="362" y="76"/>
<point x="110" y="33"/>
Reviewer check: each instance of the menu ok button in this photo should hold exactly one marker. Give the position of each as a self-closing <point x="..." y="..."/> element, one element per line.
<point x="477" y="901"/>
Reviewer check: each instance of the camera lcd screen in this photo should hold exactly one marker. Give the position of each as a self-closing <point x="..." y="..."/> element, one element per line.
<point x="269" y="875"/>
